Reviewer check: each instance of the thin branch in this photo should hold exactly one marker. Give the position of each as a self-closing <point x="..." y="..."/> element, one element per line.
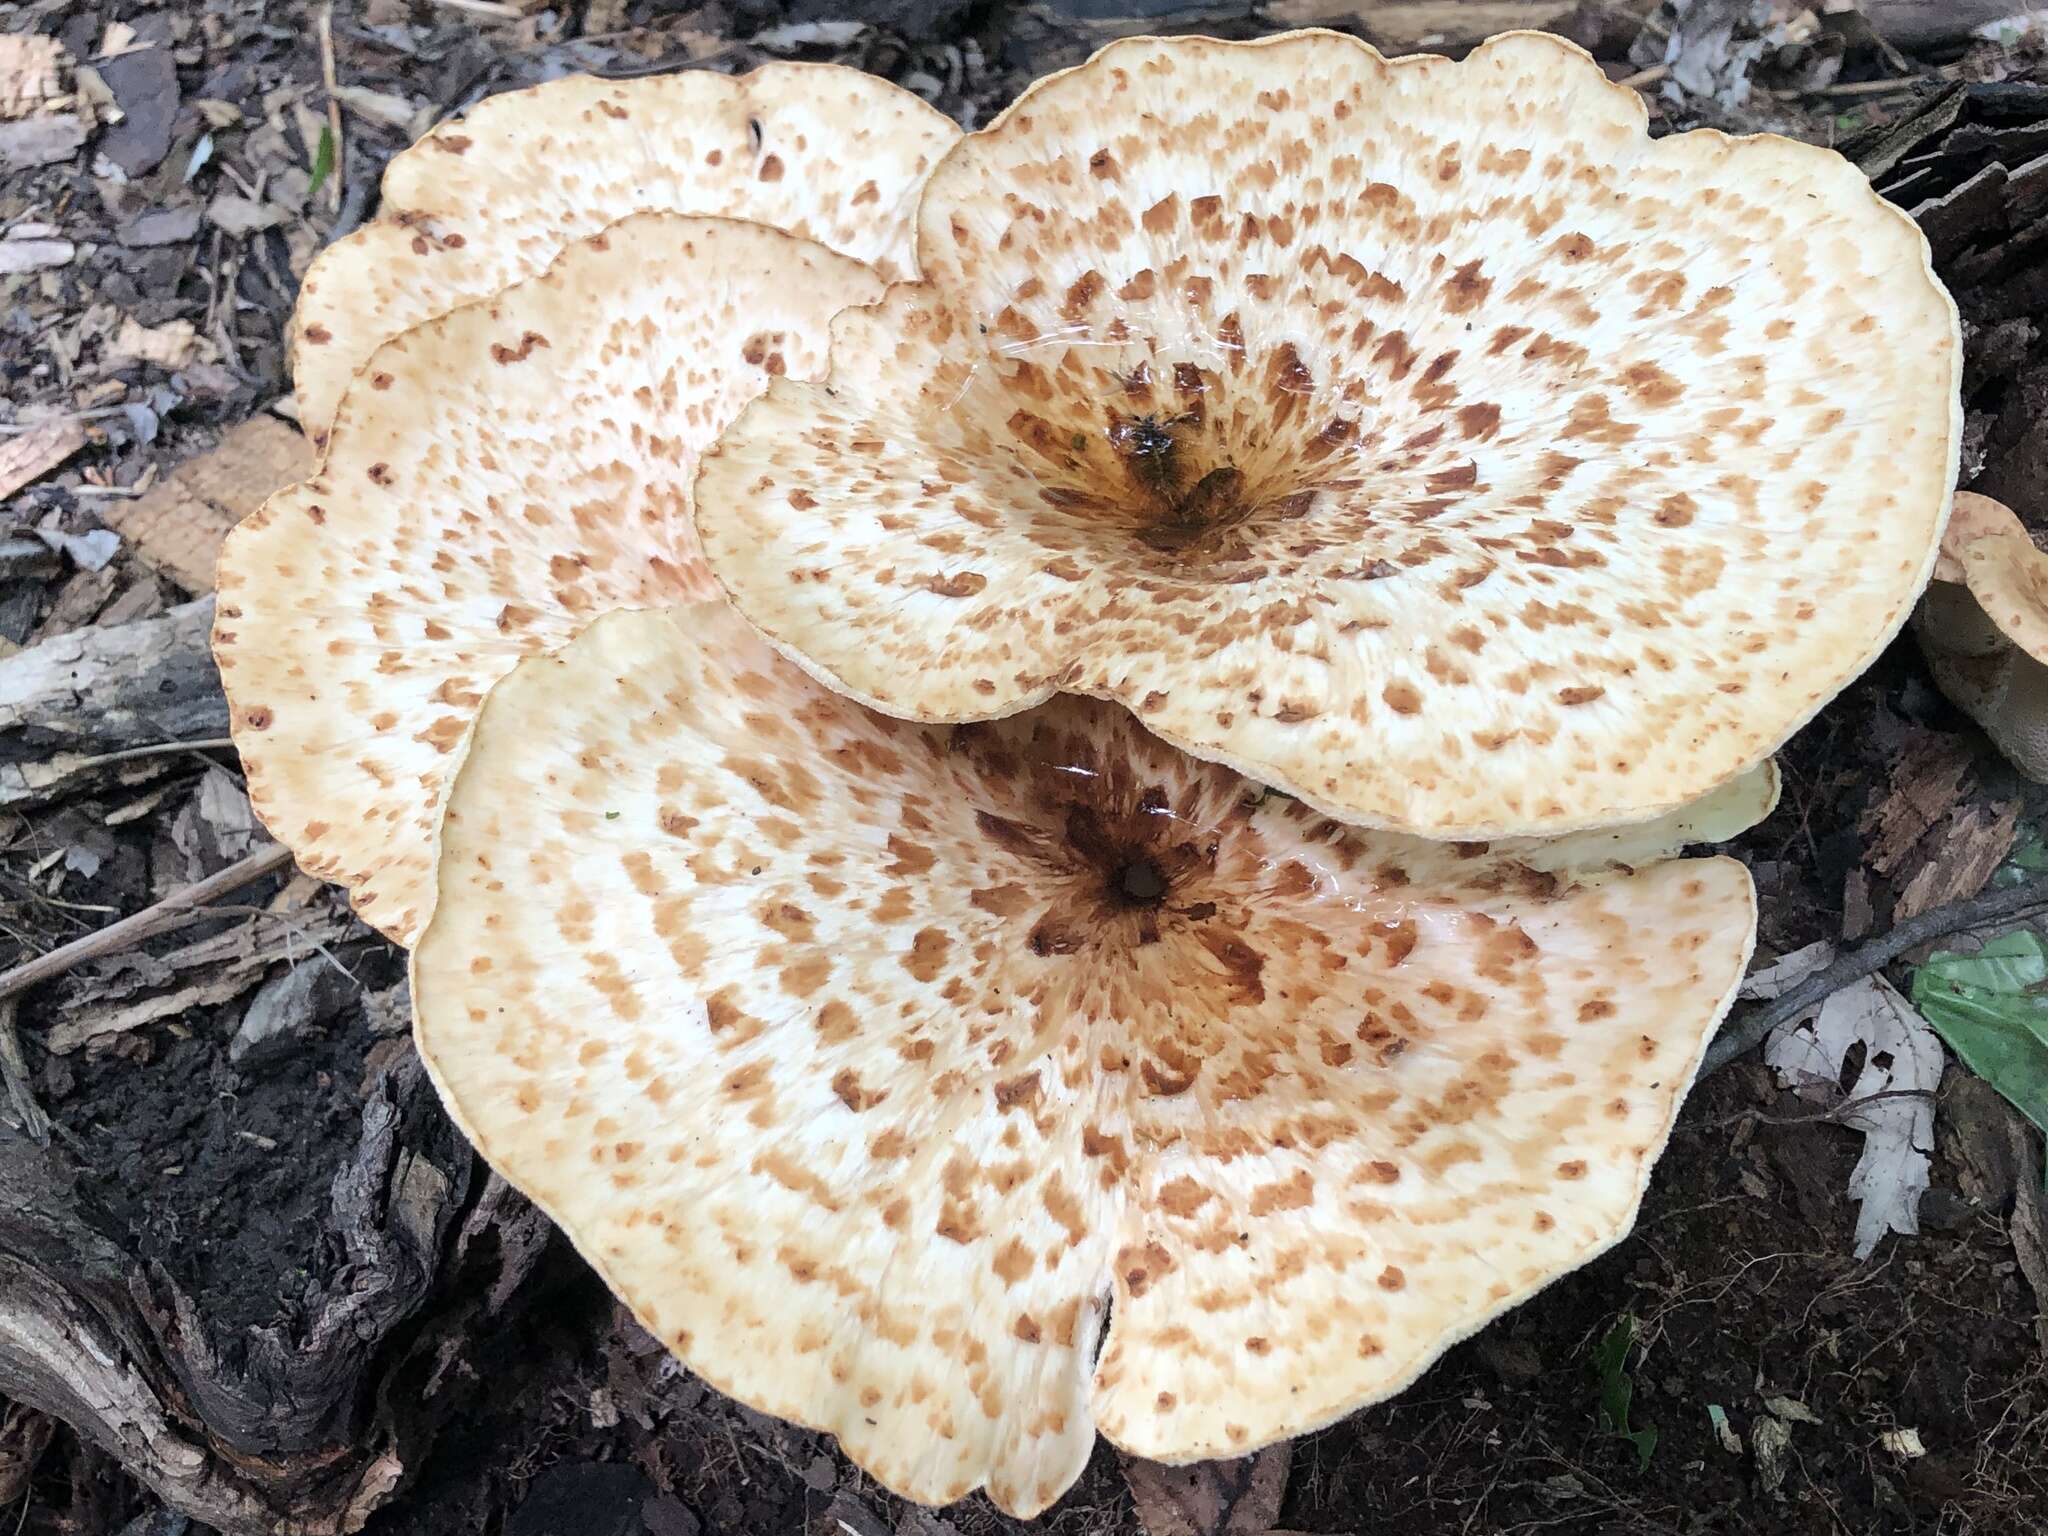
<point x="178" y="907"/>
<point x="1746" y="1032"/>
<point x="21" y="1093"/>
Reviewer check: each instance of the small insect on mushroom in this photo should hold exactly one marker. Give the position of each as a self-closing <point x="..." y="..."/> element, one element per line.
<point x="1501" y="515"/>
<point x="1983" y="627"/>
<point x="962" y="1091"/>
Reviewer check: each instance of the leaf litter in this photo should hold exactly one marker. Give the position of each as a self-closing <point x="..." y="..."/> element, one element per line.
<point x="1889" y="1098"/>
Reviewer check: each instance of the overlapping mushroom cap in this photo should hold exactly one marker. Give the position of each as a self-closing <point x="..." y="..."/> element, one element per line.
<point x="889" y="1070"/>
<point x="1983" y="626"/>
<point x="828" y="153"/>
<point x="1415" y="436"/>
<point x="499" y="477"/>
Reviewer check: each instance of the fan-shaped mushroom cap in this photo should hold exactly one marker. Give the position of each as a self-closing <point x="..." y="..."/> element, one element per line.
<point x="1983" y="626"/>
<point x="503" y="474"/>
<point x="871" y="1062"/>
<point x="1415" y="436"/>
<point x="825" y="152"/>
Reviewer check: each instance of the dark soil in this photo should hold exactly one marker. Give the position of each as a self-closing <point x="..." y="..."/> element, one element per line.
<point x="1738" y="1277"/>
<point x="203" y="1164"/>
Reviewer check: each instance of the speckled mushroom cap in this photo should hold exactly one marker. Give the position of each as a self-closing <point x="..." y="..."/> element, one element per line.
<point x="1983" y="627"/>
<point x="501" y="475"/>
<point x="825" y="152"/>
<point x="888" y="1071"/>
<point x="1414" y="436"/>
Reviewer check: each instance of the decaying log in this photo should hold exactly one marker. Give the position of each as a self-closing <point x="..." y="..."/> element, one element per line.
<point x="97" y="690"/>
<point x="299" y="1429"/>
<point x="1970" y="163"/>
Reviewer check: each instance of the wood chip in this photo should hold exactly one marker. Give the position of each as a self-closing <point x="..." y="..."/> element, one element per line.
<point x="26" y="458"/>
<point x="31" y="70"/>
<point x="41" y="140"/>
<point x="1961" y="857"/>
<point x="178" y="527"/>
<point x="18" y="256"/>
<point x="170" y="345"/>
<point x="1926" y="782"/>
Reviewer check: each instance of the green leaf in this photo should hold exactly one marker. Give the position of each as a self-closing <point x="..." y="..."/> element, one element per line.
<point x="1617" y="1391"/>
<point x="2029" y="857"/>
<point x="1992" y="1009"/>
<point x="323" y="161"/>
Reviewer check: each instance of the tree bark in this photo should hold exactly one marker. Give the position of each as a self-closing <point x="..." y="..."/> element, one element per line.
<point x="301" y="1431"/>
<point x="97" y="690"/>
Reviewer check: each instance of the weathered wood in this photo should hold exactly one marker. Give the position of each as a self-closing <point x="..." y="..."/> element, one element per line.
<point x="97" y="690"/>
<point x="297" y="1430"/>
<point x="179" y="526"/>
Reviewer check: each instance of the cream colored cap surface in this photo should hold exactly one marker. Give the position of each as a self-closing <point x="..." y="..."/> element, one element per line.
<point x="503" y="474"/>
<point x="1417" y="437"/>
<point x="889" y="1070"/>
<point x="828" y="153"/>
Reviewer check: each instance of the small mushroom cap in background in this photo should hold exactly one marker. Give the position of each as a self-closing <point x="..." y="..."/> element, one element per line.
<point x="829" y="153"/>
<point x="1417" y="437"/>
<point x="1983" y="627"/>
<point x="886" y="1069"/>
<point x="499" y="476"/>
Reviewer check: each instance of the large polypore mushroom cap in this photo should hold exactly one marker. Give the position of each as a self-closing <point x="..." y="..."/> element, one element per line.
<point x="1415" y="436"/>
<point x="828" y="153"/>
<point x="1983" y="626"/>
<point x="499" y="477"/>
<point x="890" y="1070"/>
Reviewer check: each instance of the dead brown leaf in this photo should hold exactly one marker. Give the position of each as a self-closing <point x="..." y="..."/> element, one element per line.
<point x="1210" y="1498"/>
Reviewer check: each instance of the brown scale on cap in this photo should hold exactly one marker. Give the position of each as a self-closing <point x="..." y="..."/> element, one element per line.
<point x="888" y="1070"/>
<point x="1983" y="626"/>
<point x="1455" y="487"/>
<point x="831" y="154"/>
<point x="520" y="467"/>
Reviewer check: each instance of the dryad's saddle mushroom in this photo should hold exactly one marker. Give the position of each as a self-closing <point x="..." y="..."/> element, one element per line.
<point x="1418" y="437"/>
<point x="890" y="1072"/>
<point x="364" y="613"/>
<point x="1983" y="626"/>
<point x="830" y="154"/>
<point x="967" y="1088"/>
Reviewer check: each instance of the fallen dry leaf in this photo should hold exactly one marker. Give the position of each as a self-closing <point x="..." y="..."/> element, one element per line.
<point x="1891" y="1101"/>
<point x="1210" y="1498"/>
<point x="1787" y="971"/>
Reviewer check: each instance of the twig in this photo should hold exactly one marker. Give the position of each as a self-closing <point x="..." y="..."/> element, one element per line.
<point x="1744" y="1034"/>
<point x="176" y="908"/>
<point x="158" y="749"/>
<point x="330" y="80"/>
<point x="14" y="1068"/>
<point x="1643" y="77"/>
